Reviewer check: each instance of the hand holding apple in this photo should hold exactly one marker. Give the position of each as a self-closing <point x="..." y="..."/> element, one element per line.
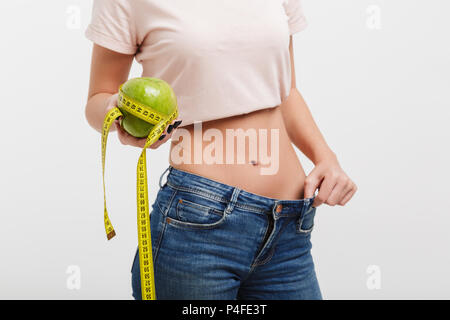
<point x="127" y="139"/>
<point x="153" y="92"/>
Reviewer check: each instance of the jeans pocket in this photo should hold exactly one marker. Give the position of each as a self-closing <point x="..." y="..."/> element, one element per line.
<point x="192" y="211"/>
<point x="305" y="223"/>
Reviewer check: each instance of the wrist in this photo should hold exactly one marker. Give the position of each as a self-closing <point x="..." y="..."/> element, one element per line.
<point x="324" y="155"/>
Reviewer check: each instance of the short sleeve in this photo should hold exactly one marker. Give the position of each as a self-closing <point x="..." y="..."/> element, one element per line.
<point x="296" y="19"/>
<point x="112" y="26"/>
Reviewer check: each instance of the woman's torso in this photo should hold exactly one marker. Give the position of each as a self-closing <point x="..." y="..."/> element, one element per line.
<point x="281" y="177"/>
<point x="226" y="60"/>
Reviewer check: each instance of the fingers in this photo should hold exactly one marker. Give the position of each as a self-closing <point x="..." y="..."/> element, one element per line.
<point x="312" y="182"/>
<point x="335" y="191"/>
<point x="325" y="189"/>
<point x="335" y="187"/>
<point x="167" y="134"/>
<point x="177" y="123"/>
<point x="127" y="139"/>
<point x="341" y="188"/>
<point x="349" y="195"/>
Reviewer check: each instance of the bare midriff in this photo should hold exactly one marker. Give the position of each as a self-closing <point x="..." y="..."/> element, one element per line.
<point x="282" y="180"/>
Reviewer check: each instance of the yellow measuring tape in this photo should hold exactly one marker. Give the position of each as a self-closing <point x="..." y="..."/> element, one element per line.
<point x="160" y="122"/>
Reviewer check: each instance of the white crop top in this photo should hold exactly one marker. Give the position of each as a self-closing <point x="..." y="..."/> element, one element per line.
<point x="222" y="57"/>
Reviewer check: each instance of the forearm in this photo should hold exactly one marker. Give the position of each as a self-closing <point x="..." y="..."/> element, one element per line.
<point x="302" y="129"/>
<point x="96" y="109"/>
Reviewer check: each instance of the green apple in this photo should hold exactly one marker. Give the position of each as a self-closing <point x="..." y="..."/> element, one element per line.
<point x="152" y="92"/>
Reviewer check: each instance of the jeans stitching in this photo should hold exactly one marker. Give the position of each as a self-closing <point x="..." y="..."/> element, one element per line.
<point x="272" y="241"/>
<point x="159" y="241"/>
<point x="196" y="206"/>
<point x="251" y="208"/>
<point x="269" y="241"/>
<point x="196" y="226"/>
<point x="267" y="259"/>
<point x="207" y="195"/>
<point x="299" y="223"/>
<point x="164" y="212"/>
<point x="300" y="230"/>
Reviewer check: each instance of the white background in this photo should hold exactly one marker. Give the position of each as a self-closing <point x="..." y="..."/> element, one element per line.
<point x="379" y="95"/>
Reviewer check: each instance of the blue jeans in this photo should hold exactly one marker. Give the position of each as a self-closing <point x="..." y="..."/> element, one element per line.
<point x="213" y="241"/>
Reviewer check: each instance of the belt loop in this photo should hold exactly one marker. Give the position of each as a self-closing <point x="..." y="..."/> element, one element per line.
<point x="233" y="200"/>
<point x="162" y="175"/>
<point x="307" y="205"/>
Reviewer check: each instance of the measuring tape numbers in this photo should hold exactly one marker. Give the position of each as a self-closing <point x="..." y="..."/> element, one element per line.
<point x="160" y="122"/>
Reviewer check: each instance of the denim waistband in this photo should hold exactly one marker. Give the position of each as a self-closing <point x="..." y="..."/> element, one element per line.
<point x="186" y="181"/>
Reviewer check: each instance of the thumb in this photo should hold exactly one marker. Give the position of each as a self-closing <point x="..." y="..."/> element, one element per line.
<point x="312" y="182"/>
